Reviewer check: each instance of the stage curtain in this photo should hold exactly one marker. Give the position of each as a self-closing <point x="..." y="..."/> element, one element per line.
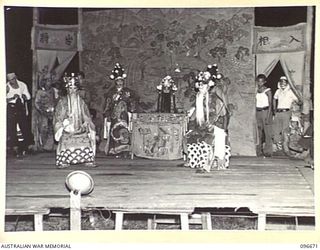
<point x="266" y="63"/>
<point x="293" y="66"/>
<point x="46" y="60"/>
<point x="64" y="58"/>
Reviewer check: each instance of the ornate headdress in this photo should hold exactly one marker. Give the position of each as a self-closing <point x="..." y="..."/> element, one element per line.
<point x="209" y="76"/>
<point x="118" y="72"/>
<point x="71" y="80"/>
<point x="167" y="82"/>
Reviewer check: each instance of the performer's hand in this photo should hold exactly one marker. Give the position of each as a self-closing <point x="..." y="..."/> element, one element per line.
<point x="66" y="122"/>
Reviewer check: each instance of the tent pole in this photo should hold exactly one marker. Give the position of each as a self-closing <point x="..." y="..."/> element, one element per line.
<point x="80" y="20"/>
<point x="306" y="85"/>
<point x="34" y="128"/>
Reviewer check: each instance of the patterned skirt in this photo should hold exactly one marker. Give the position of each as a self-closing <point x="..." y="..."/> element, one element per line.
<point x="201" y="155"/>
<point x="74" y="149"/>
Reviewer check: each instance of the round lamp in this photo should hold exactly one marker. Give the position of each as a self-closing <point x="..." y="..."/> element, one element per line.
<point x="80" y="181"/>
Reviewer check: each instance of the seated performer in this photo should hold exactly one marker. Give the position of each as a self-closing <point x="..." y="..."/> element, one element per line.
<point x="73" y="128"/>
<point x="206" y="139"/>
<point x="119" y="106"/>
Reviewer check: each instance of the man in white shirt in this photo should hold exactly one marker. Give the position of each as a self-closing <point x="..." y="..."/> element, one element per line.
<point x="282" y="101"/>
<point x="17" y="112"/>
<point x="264" y="116"/>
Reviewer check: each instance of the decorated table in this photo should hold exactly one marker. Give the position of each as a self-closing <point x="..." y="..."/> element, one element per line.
<point x="158" y="135"/>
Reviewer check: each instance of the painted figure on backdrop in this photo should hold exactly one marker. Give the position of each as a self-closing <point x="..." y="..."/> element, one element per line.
<point x="206" y="141"/>
<point x="17" y="115"/>
<point x="264" y="117"/>
<point x="166" y="95"/>
<point x="119" y="106"/>
<point x="45" y="103"/>
<point x="83" y="89"/>
<point x="282" y="105"/>
<point x="73" y="128"/>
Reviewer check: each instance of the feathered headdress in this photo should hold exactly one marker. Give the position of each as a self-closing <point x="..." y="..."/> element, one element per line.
<point x="167" y="82"/>
<point x="118" y="72"/>
<point x="209" y="76"/>
<point x="71" y="80"/>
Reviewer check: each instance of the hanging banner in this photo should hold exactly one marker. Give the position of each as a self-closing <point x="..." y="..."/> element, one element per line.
<point x="279" y="39"/>
<point x="56" y="37"/>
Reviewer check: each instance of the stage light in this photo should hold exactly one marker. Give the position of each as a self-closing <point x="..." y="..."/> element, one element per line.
<point x="80" y="182"/>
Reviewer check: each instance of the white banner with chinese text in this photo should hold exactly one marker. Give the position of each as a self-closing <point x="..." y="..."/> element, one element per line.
<point x="279" y="39"/>
<point x="56" y="37"/>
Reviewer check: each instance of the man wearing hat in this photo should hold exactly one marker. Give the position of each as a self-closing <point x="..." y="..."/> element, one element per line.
<point x="282" y="102"/>
<point x="17" y="97"/>
<point x="118" y="107"/>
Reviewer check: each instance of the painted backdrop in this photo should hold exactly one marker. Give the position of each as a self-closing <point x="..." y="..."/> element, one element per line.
<point x="152" y="43"/>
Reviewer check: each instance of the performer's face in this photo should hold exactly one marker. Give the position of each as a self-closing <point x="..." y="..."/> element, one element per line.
<point x="72" y="90"/>
<point x="203" y="87"/>
<point x="119" y="83"/>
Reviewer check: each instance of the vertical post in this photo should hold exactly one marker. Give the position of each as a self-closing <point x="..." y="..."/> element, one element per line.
<point x="206" y="221"/>
<point x="262" y="222"/>
<point x="38" y="222"/>
<point x="306" y="85"/>
<point x="80" y="21"/>
<point x="184" y="219"/>
<point x="75" y="211"/>
<point x="119" y="221"/>
<point x="34" y="128"/>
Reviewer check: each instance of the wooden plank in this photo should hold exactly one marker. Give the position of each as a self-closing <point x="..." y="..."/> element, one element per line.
<point x="119" y="220"/>
<point x="206" y="221"/>
<point x="75" y="211"/>
<point x="38" y="222"/>
<point x="262" y="221"/>
<point x="184" y="219"/>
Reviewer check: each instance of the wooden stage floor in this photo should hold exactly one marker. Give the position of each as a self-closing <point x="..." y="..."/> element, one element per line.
<point x="270" y="186"/>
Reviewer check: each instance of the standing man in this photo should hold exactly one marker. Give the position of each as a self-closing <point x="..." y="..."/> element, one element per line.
<point x="17" y="112"/>
<point x="282" y="101"/>
<point x="264" y="116"/>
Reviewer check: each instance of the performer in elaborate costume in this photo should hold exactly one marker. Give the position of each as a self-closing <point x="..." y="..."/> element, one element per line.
<point x="207" y="136"/>
<point x="166" y="96"/>
<point x="73" y="128"/>
<point x="118" y="108"/>
<point x="44" y="104"/>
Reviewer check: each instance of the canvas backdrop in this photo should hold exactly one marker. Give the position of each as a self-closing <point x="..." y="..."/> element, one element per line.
<point x="153" y="43"/>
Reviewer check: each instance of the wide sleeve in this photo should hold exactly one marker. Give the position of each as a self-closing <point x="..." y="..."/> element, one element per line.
<point x="86" y="115"/>
<point x="39" y="105"/>
<point x="59" y="116"/>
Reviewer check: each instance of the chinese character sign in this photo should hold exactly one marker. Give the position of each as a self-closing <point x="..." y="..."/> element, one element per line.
<point x="55" y="38"/>
<point x="279" y="39"/>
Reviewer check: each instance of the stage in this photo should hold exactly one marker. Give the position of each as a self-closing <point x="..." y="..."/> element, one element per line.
<point x="265" y="186"/>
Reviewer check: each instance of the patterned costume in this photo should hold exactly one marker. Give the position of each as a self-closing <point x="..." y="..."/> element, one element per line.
<point x="74" y="130"/>
<point x="44" y="103"/>
<point x="119" y="105"/>
<point x="206" y="140"/>
<point x="166" y="95"/>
